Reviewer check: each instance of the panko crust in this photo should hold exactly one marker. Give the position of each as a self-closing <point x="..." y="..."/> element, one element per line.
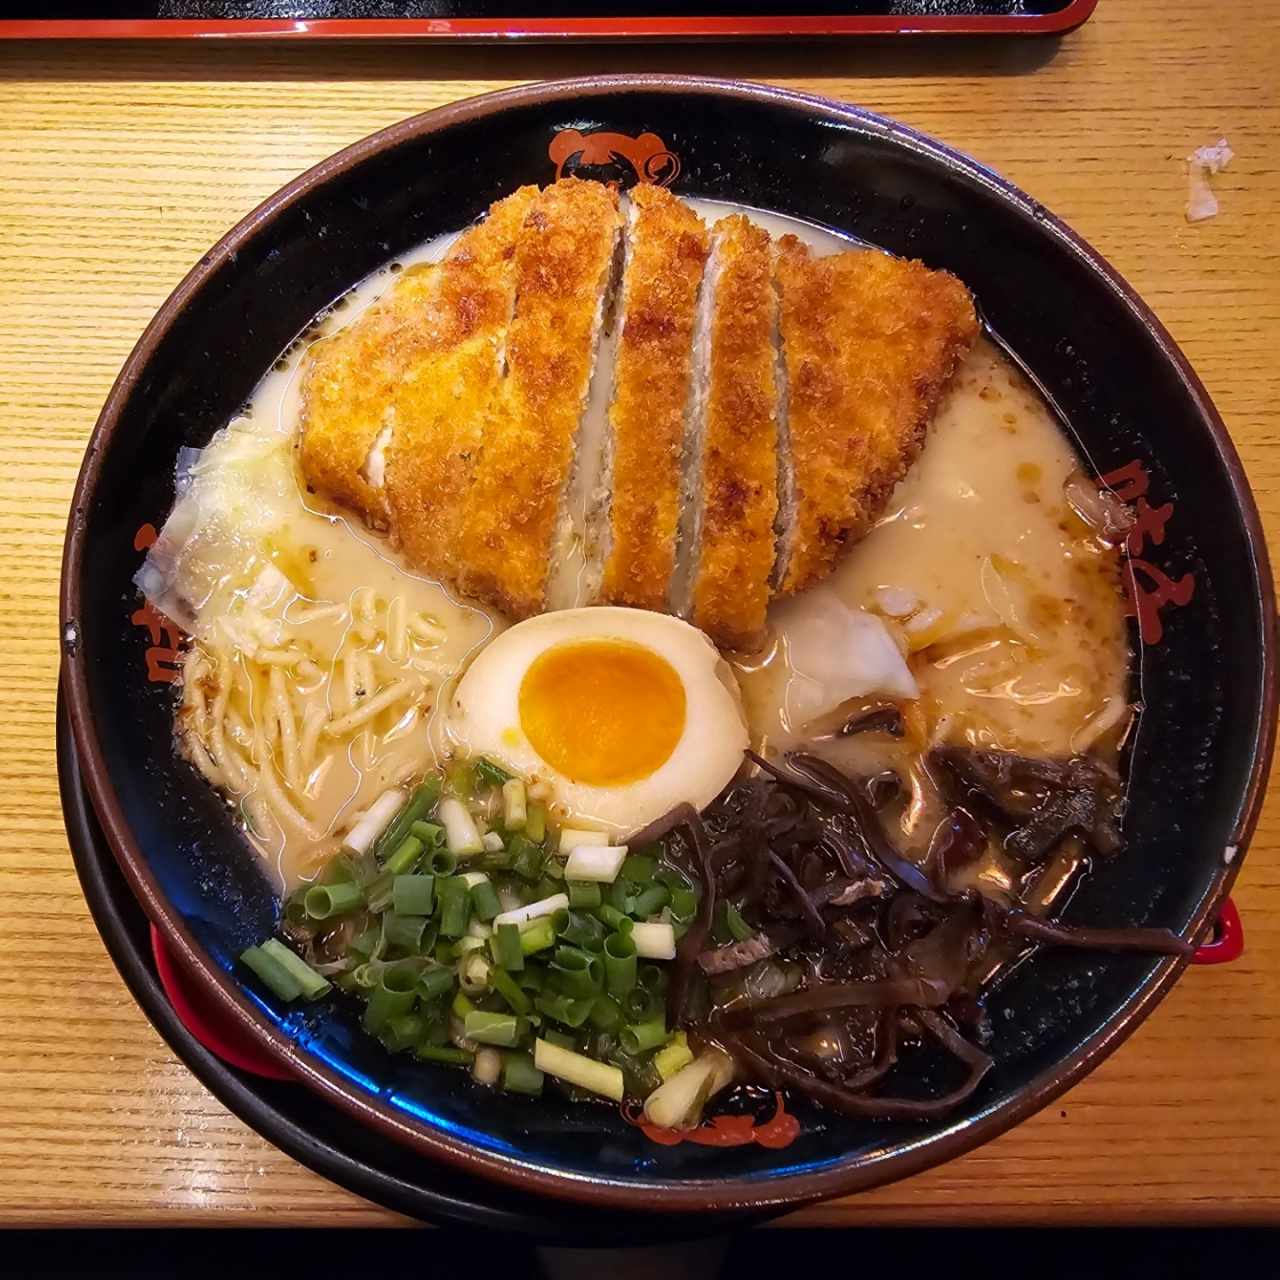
<point x="652" y="372"/>
<point x="563" y="258"/>
<point x="448" y="385"/>
<point x="739" y="464"/>
<point x="870" y="343"/>
<point x="348" y="382"/>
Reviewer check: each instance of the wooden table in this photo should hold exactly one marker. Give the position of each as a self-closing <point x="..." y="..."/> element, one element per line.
<point x="123" y="164"/>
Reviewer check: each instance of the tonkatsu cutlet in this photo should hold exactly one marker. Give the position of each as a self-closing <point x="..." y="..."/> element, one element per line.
<point x="352" y="402"/>
<point x="735" y="470"/>
<point x="667" y="250"/>
<point x="564" y="256"/>
<point x="347" y="391"/>
<point x="869" y="343"/>
<point x="448" y="386"/>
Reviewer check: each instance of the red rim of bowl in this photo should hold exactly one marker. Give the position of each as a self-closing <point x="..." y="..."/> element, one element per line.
<point x="209" y="1022"/>
<point x="703" y="1194"/>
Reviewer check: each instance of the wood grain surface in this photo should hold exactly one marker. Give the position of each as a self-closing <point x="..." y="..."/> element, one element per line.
<point x="122" y="164"/>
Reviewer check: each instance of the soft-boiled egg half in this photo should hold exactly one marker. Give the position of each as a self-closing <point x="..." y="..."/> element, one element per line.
<point x="624" y="713"/>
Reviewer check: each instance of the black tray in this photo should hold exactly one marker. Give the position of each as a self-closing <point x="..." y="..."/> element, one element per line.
<point x="296" y="1120"/>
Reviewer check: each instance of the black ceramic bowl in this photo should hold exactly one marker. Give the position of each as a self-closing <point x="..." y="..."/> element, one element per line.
<point x="1201" y="586"/>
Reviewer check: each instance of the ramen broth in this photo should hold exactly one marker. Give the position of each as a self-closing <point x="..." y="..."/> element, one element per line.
<point x="1006" y="602"/>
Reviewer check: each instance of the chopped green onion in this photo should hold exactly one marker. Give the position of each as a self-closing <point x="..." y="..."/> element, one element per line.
<point x="577" y="838"/>
<point x="583" y="895"/>
<point x="393" y="995"/>
<point x="737" y="926"/>
<point x="430" y="833"/>
<point x="460" y="1006"/>
<point x="537" y="935"/>
<point x="519" y="1075"/>
<point x="586" y="1073"/>
<point x="684" y="904"/>
<point x="324" y="901"/>
<point x="413" y="895"/>
<point x="312" y="984"/>
<point x="274" y="975"/>
<point x="505" y="946"/>
<point x="673" y="1056"/>
<point x="487" y="1067"/>
<point x="484" y="900"/>
<point x="643" y="1036"/>
<point x="547" y="906"/>
<point x="405" y="931"/>
<point x="596" y="862"/>
<point x="507" y="987"/>
<point x="434" y="982"/>
<point x="562" y="1038"/>
<point x="563" y="1008"/>
<point x="515" y="808"/>
<point x="473" y="974"/>
<point x="404" y="1031"/>
<point x="366" y="946"/>
<point x="535" y="822"/>
<point x="527" y="858"/>
<point x="461" y="777"/>
<point x="580" y="930"/>
<point x="344" y="868"/>
<point x="442" y="862"/>
<point x="444" y="1053"/>
<point x="653" y="978"/>
<point x="617" y="920"/>
<point x="618" y="894"/>
<point x="648" y="902"/>
<point x="376" y="819"/>
<point x="640" y="867"/>
<point x="547" y="888"/>
<point x="502" y="1029"/>
<point x="619" y="964"/>
<point x="493" y="775"/>
<point x="636" y="1004"/>
<point x="606" y="1014"/>
<point x="419" y="806"/>
<point x="405" y="855"/>
<point x="460" y="831"/>
<point x="654" y="941"/>
<point x="455" y="906"/>
<point x="576" y="972"/>
<point x="677" y="1102"/>
<point x="378" y="894"/>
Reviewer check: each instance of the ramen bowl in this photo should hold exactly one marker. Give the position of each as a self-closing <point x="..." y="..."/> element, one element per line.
<point x="1199" y="591"/>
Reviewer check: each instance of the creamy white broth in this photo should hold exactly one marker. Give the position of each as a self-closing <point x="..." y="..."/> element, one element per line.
<point x="1019" y="638"/>
<point x="1010" y="606"/>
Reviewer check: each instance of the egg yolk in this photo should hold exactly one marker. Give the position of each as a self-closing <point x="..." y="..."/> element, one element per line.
<point x="603" y="712"/>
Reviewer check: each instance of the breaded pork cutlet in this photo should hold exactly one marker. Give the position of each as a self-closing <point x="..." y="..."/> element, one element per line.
<point x="563" y="262"/>
<point x="448" y="385"/>
<point x="353" y="384"/>
<point x="869" y="343"/>
<point x="347" y="389"/>
<point x="734" y="471"/>
<point x="653" y="361"/>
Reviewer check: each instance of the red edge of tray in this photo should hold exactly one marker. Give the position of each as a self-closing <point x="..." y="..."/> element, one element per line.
<point x="1076" y="12"/>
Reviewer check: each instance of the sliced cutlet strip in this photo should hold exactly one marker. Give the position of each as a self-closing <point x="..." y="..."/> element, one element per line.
<point x="730" y="539"/>
<point x="347" y="386"/>
<point x="451" y="372"/>
<point x="653" y="364"/>
<point x="563" y="262"/>
<point x="869" y="344"/>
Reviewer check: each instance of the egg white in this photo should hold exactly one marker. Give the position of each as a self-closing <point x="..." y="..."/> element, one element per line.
<point x="484" y="715"/>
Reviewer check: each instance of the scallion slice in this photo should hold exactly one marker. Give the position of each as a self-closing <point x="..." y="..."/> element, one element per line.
<point x="575" y="1068"/>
